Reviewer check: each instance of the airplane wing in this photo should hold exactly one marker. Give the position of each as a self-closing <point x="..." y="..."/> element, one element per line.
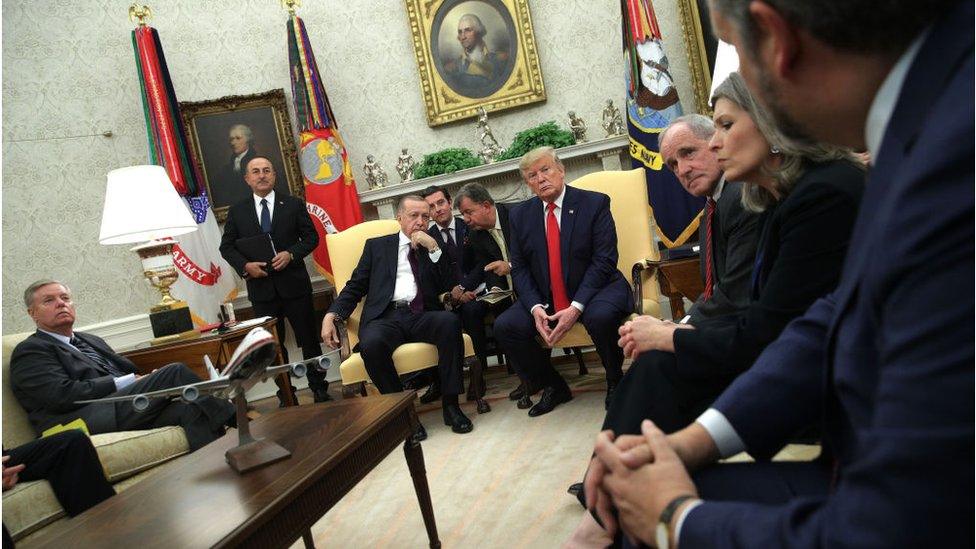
<point x="192" y="390"/>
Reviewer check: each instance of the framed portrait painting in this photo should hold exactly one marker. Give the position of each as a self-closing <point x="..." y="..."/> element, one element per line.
<point x="474" y="53"/>
<point x="228" y="132"/>
<point x="701" y="45"/>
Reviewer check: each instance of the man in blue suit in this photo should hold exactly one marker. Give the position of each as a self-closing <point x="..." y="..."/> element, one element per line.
<point x="564" y="267"/>
<point x="885" y="362"/>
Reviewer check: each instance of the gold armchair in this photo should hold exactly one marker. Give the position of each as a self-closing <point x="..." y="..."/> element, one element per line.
<point x="345" y="249"/>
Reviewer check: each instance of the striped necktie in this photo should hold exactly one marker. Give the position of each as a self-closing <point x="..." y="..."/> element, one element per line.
<point x="97" y="357"/>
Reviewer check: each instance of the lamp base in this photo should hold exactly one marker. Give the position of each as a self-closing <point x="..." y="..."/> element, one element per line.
<point x="170" y="321"/>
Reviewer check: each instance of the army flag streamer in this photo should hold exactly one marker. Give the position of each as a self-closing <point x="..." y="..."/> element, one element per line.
<point x="205" y="279"/>
<point x="330" y="191"/>
<point x="652" y="102"/>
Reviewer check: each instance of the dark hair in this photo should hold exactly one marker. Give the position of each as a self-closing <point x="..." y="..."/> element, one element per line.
<point x="402" y="203"/>
<point x="262" y="158"/>
<point x="857" y="26"/>
<point x="434" y="189"/>
<point x="475" y="193"/>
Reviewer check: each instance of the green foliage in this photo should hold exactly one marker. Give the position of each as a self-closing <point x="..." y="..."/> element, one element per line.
<point x="544" y="134"/>
<point x="446" y="161"/>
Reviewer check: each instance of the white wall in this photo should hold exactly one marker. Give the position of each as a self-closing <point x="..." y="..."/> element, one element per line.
<point x="68" y="70"/>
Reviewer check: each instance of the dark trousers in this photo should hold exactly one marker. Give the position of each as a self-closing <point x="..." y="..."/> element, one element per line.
<point x="516" y="333"/>
<point x="203" y="420"/>
<point x="68" y="461"/>
<point x="301" y="316"/>
<point x="473" y="315"/>
<point x="382" y="335"/>
<point x="656" y="389"/>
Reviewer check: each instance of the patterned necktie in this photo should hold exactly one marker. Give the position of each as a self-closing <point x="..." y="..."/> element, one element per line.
<point x="265" y="216"/>
<point x="558" y="287"/>
<point x="709" y="274"/>
<point x="417" y="305"/>
<point x="97" y="357"/>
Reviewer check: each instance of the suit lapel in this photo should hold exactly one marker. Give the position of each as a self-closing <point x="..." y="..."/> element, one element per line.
<point x="566" y="223"/>
<point x="73" y="351"/>
<point x="392" y="249"/>
<point x="537" y="237"/>
<point x="252" y="214"/>
<point x="278" y="213"/>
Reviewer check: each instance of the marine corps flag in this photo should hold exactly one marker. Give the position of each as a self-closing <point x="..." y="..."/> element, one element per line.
<point x="205" y="279"/>
<point x="330" y="192"/>
<point x="652" y="102"/>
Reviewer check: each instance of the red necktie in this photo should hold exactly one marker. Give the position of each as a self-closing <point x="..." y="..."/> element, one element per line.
<point x="709" y="277"/>
<point x="559" y="299"/>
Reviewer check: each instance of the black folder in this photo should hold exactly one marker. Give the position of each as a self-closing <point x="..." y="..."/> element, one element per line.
<point x="257" y="248"/>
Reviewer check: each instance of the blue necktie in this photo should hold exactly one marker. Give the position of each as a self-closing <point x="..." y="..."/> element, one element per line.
<point x="265" y="216"/>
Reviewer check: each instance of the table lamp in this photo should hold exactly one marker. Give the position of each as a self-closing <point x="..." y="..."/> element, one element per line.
<point x="142" y="205"/>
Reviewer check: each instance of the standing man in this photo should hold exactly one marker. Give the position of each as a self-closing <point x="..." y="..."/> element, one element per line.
<point x="282" y="288"/>
<point x="564" y="265"/>
<point x="402" y="276"/>
<point x="727" y="232"/>
<point x="490" y="269"/>
<point x="885" y="362"/>
<point x="56" y="367"/>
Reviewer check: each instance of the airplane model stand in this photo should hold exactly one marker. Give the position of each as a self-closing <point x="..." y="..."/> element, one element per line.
<point x="251" y="453"/>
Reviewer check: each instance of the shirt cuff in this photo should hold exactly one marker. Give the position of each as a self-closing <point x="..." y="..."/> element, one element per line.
<point x="681" y="520"/>
<point x="532" y="309"/>
<point x="124" y="381"/>
<point x="435" y="255"/>
<point x="578" y="305"/>
<point x="722" y="432"/>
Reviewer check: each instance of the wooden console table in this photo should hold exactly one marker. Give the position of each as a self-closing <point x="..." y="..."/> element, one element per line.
<point x="679" y="278"/>
<point x="219" y="347"/>
<point x="199" y="501"/>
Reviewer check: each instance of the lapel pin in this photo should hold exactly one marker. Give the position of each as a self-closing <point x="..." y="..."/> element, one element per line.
<point x="570" y="211"/>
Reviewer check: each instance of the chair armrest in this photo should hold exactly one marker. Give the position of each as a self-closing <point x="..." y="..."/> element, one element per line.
<point x="344" y="350"/>
<point x="637" y="274"/>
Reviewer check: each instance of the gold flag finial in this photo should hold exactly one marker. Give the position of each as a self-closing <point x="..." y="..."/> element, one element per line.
<point x="142" y="13"/>
<point x="290" y="5"/>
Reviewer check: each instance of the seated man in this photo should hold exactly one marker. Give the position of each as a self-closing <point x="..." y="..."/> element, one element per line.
<point x="727" y="232"/>
<point x="56" y="367"/>
<point x="490" y="230"/>
<point x="401" y="277"/>
<point x="68" y="462"/>
<point x="564" y="265"/>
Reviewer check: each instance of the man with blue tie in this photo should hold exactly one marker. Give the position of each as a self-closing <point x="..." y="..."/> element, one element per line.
<point x="564" y="267"/>
<point x="282" y="289"/>
<point x="885" y="362"/>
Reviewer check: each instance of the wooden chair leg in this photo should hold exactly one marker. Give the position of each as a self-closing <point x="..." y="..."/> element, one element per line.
<point x="351" y="390"/>
<point x="579" y="358"/>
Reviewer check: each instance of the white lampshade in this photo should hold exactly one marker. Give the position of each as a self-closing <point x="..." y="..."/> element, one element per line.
<point x="141" y="204"/>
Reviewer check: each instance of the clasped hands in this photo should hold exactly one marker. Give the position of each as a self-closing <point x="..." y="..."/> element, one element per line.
<point x="255" y="269"/>
<point x="564" y="320"/>
<point x="646" y="333"/>
<point x="638" y="475"/>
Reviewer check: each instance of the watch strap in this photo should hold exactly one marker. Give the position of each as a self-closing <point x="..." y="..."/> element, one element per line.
<point x="670" y="508"/>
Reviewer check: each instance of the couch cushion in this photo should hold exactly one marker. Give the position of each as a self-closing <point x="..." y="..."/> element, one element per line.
<point x="17" y="429"/>
<point x="30" y="506"/>
<point x="126" y="453"/>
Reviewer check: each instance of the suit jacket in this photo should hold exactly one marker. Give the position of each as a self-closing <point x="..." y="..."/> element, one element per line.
<point x="802" y="244"/>
<point x="734" y="240"/>
<point x="375" y="277"/>
<point x="886" y="361"/>
<point x="588" y="243"/>
<point x="48" y="377"/>
<point x="462" y="255"/>
<point x="291" y="230"/>
<point x="485" y="250"/>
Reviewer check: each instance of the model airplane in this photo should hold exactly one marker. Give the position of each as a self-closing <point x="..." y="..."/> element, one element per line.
<point x="250" y="363"/>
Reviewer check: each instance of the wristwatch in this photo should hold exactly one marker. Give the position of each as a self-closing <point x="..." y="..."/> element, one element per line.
<point x="661" y="534"/>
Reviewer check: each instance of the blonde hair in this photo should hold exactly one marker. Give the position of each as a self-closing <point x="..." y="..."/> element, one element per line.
<point x="537" y="154"/>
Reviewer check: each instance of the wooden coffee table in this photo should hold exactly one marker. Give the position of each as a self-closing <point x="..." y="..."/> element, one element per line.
<point x="201" y="502"/>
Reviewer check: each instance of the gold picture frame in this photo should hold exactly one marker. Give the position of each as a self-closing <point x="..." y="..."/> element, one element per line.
<point x="502" y="70"/>
<point x="209" y="125"/>
<point x="700" y="45"/>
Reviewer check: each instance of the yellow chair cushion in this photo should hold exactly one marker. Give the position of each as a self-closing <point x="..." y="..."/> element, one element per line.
<point x="409" y="357"/>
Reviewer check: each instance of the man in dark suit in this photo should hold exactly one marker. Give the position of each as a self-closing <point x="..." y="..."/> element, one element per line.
<point x="402" y="277"/>
<point x="885" y="362"/>
<point x="727" y="234"/>
<point x="584" y="284"/>
<point x="490" y="269"/>
<point x="56" y="367"/>
<point x="282" y="289"/>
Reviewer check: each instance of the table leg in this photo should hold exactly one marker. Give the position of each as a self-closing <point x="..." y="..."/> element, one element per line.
<point x="415" y="461"/>
<point x="284" y="383"/>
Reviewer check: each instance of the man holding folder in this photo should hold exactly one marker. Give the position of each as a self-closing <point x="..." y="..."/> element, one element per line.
<point x="278" y="285"/>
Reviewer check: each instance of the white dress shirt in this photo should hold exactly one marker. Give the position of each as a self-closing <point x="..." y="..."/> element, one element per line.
<point x="120" y="382"/>
<point x="451" y="228"/>
<point x="405" y="287"/>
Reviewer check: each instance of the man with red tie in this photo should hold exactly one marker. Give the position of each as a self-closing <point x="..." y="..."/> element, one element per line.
<point x="727" y="233"/>
<point x="564" y="267"/>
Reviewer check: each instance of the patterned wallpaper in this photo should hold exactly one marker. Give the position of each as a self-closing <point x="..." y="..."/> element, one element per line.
<point x="68" y="73"/>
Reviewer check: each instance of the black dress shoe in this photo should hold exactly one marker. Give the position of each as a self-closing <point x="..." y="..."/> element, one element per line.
<point x="433" y="394"/>
<point x="524" y="402"/>
<point x="518" y="393"/>
<point x="551" y="397"/>
<point x="455" y="418"/>
<point x="419" y="435"/>
<point x="483" y="406"/>
<point x="576" y="490"/>
<point x="321" y="395"/>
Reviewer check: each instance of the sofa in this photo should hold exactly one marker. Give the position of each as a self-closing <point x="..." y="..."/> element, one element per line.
<point x="127" y="457"/>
